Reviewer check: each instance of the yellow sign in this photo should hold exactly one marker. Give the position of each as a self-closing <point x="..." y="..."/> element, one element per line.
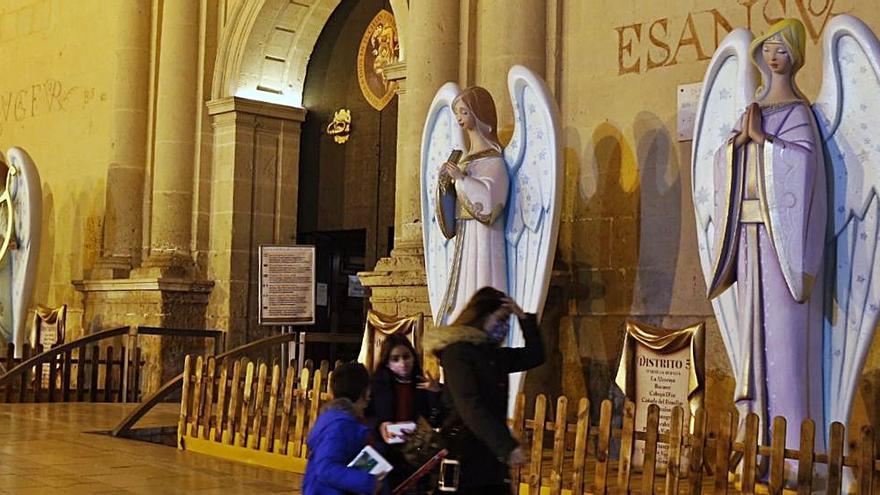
<point x="379" y="49"/>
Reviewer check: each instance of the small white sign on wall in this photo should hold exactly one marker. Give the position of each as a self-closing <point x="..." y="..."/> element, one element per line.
<point x="355" y="289"/>
<point x="321" y="295"/>
<point x="688" y="100"/>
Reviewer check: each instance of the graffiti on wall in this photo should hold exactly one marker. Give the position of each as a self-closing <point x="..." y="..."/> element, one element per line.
<point x="43" y="98"/>
<point x="668" y="41"/>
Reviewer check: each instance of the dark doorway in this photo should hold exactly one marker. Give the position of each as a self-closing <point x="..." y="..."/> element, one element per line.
<point x="347" y="186"/>
<point x="340" y="298"/>
<point x="346" y="191"/>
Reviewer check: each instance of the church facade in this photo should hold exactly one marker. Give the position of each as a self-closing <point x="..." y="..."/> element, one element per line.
<point x="175" y="137"/>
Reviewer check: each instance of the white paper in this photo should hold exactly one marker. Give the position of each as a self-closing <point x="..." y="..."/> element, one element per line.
<point x="355" y="289"/>
<point x="688" y="99"/>
<point x="400" y="430"/>
<point x="369" y="459"/>
<point x="321" y="296"/>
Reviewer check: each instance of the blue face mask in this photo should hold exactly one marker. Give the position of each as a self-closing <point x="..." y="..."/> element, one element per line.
<point x="498" y="332"/>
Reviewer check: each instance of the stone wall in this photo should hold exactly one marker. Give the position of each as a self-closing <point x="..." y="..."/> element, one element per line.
<point x="57" y="96"/>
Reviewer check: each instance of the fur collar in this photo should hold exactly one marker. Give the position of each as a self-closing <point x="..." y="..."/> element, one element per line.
<point x="340" y="404"/>
<point x="443" y="337"/>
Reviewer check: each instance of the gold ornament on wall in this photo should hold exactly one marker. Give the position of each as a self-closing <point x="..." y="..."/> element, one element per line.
<point x="340" y="127"/>
<point x="379" y="48"/>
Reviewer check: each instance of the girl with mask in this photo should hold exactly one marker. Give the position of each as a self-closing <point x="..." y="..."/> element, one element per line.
<point x="400" y="392"/>
<point x="475" y="398"/>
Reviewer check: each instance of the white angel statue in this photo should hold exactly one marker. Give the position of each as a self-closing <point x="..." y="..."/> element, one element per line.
<point x="20" y="217"/>
<point x="491" y="219"/>
<point x="787" y="218"/>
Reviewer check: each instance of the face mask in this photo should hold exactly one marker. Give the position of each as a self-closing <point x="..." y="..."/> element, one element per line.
<point x="498" y="332"/>
<point x="399" y="368"/>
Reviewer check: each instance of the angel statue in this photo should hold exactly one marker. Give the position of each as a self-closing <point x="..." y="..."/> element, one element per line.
<point x="20" y="217"/>
<point x="492" y="218"/>
<point x="787" y="218"/>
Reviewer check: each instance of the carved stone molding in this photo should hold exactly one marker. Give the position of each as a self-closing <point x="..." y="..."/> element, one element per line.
<point x="265" y="48"/>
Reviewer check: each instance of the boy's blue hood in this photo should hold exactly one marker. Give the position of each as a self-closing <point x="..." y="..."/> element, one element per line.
<point x="332" y="412"/>
<point x="336" y="438"/>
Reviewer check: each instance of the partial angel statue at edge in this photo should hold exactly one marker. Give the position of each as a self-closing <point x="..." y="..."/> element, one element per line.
<point x="787" y="213"/>
<point x="20" y="218"/>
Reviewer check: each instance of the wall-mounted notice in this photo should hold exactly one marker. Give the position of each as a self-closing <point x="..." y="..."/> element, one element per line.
<point x="321" y="295"/>
<point x="688" y="101"/>
<point x="355" y="288"/>
<point x="287" y="285"/>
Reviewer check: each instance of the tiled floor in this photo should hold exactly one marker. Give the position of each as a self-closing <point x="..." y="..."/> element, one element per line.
<point x="46" y="449"/>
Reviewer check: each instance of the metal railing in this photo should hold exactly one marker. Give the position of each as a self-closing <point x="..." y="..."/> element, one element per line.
<point x="72" y="359"/>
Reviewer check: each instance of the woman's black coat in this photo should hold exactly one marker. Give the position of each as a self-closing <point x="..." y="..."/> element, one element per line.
<point x="475" y="397"/>
<point x="383" y="407"/>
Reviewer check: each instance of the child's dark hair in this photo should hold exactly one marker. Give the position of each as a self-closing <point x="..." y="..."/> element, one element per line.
<point x="350" y="380"/>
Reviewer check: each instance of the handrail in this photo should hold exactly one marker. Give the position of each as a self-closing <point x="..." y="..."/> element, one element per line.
<point x="333" y="338"/>
<point x="132" y="332"/>
<point x="179" y="332"/>
<point x="175" y="383"/>
<point x="46" y="356"/>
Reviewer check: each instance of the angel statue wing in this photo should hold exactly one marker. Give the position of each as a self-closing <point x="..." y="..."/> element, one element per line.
<point x="20" y="217"/>
<point x="728" y="88"/>
<point x="848" y="115"/>
<point x="534" y="163"/>
<point x="441" y="135"/>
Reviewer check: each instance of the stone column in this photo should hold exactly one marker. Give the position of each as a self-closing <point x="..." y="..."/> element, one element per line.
<point x="164" y="290"/>
<point x="177" y="108"/>
<point x="509" y="32"/>
<point x="254" y="188"/>
<point x="432" y="59"/>
<point x="123" y="211"/>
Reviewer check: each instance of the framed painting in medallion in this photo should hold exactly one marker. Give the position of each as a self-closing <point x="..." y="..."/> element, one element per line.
<point x="379" y="48"/>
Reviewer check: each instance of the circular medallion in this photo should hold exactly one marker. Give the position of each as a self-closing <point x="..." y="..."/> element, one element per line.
<point x="379" y="48"/>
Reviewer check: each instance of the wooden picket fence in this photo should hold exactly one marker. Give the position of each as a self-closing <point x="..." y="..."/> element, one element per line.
<point x="81" y="374"/>
<point x="241" y="410"/>
<point x="581" y="460"/>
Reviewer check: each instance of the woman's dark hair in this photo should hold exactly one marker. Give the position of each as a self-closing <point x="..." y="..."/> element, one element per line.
<point x="389" y="344"/>
<point x="483" y="303"/>
<point x="350" y="381"/>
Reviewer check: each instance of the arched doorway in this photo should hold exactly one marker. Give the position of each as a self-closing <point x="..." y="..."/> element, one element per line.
<point x="280" y="71"/>
<point x="346" y="190"/>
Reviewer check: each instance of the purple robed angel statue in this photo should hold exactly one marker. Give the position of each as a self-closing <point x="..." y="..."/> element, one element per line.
<point x="774" y="255"/>
<point x="787" y="219"/>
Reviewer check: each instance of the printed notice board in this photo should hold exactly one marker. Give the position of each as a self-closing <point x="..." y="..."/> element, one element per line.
<point x="287" y="285"/>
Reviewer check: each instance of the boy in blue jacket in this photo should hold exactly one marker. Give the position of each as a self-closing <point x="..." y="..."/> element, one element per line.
<point x="338" y="436"/>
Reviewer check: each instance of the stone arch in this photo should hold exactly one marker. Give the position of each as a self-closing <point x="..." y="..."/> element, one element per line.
<point x="265" y="46"/>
